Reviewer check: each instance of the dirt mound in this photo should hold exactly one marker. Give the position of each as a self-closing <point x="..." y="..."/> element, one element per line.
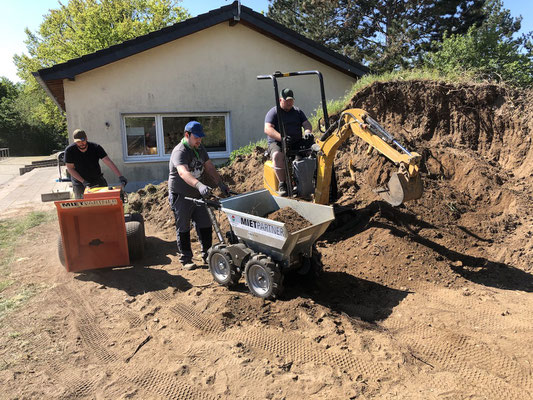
<point x="474" y="220"/>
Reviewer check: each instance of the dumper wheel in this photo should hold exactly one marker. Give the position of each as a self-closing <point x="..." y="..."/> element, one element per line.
<point x="312" y="267"/>
<point x="222" y="268"/>
<point x="317" y="266"/>
<point x="61" y="251"/>
<point x="263" y="277"/>
<point x="135" y="236"/>
<point x="136" y="217"/>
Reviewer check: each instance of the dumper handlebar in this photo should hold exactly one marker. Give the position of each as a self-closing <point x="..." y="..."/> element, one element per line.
<point x="210" y="202"/>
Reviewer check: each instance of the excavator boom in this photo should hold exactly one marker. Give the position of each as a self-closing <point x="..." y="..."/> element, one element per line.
<point x="403" y="185"/>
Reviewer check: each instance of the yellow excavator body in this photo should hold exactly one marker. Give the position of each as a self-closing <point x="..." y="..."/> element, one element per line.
<point x="403" y="185"/>
<point x="270" y="180"/>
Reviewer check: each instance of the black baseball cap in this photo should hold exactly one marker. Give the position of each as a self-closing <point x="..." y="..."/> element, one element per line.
<point x="287" y="94"/>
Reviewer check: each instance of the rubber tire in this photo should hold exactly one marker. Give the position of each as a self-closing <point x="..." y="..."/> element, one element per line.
<point x="263" y="277"/>
<point x="136" y="217"/>
<point x="312" y="267"/>
<point x="218" y="254"/>
<point x="317" y="266"/>
<point x="61" y="251"/>
<point x="135" y="236"/>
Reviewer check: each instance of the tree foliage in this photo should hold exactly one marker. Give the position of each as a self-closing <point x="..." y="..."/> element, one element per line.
<point x="80" y="27"/>
<point x="383" y="34"/>
<point x="19" y="130"/>
<point x="492" y="50"/>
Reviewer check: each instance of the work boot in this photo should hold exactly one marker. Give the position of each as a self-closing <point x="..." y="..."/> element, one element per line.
<point x="189" y="265"/>
<point x="282" y="189"/>
<point x="206" y="239"/>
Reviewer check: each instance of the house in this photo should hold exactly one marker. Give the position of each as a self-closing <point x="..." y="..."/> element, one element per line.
<point x="135" y="98"/>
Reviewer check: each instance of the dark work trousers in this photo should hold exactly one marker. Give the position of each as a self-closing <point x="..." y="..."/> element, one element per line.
<point x="185" y="212"/>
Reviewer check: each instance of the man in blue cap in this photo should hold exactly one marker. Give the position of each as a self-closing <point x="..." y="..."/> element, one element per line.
<point x="188" y="162"/>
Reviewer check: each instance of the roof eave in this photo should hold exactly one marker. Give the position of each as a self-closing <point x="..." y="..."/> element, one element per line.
<point x="48" y="91"/>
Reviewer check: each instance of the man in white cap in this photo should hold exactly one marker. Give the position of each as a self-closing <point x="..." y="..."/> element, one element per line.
<point x="82" y="159"/>
<point x="188" y="161"/>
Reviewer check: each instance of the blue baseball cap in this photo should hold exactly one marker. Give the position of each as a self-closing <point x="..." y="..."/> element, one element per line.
<point x="195" y="128"/>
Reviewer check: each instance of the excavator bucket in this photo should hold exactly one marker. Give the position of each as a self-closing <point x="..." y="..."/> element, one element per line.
<point x="400" y="189"/>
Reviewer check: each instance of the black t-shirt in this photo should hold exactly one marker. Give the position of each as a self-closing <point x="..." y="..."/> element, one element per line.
<point x="86" y="163"/>
<point x="292" y="121"/>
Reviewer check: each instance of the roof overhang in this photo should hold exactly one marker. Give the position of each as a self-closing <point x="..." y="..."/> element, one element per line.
<point x="51" y="79"/>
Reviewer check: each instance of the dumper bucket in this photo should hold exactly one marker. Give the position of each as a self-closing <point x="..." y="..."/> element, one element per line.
<point x="245" y="214"/>
<point x="400" y="189"/>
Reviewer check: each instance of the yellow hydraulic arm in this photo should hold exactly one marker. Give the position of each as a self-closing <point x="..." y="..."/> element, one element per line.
<point x="404" y="185"/>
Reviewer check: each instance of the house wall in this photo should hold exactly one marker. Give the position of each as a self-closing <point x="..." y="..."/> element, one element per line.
<point x="213" y="70"/>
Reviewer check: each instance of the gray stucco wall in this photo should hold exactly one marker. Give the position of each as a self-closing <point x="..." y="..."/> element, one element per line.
<point x="213" y="70"/>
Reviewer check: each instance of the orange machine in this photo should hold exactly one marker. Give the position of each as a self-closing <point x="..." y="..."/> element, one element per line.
<point x="95" y="233"/>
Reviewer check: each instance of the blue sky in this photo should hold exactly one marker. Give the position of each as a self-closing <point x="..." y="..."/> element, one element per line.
<point x="20" y="14"/>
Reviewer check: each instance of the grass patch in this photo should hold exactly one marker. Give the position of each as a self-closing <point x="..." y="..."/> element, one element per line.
<point x="13" y="228"/>
<point x="4" y="284"/>
<point x="11" y="303"/>
<point x="245" y="150"/>
<point x="337" y="106"/>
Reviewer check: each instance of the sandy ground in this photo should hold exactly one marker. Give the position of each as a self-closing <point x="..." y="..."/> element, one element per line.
<point x="156" y="331"/>
<point x="431" y="300"/>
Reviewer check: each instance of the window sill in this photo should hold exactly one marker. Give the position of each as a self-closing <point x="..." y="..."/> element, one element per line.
<point x="157" y="159"/>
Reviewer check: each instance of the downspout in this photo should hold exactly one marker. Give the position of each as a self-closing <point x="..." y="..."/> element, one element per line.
<point x="238" y="16"/>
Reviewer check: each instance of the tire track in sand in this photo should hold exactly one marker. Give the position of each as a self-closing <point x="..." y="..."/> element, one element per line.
<point x="288" y="345"/>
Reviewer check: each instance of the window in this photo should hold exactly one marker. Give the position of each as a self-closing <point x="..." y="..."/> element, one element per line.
<point x="152" y="137"/>
<point x="140" y="136"/>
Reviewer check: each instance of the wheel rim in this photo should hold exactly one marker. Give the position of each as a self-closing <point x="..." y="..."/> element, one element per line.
<point x="220" y="266"/>
<point x="258" y="279"/>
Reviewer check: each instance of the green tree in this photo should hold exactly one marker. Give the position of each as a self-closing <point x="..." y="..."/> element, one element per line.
<point x="81" y="27"/>
<point x="383" y="34"/>
<point x="20" y="132"/>
<point x="493" y="50"/>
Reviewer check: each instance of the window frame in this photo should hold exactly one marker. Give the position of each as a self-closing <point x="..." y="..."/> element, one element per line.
<point x="161" y="156"/>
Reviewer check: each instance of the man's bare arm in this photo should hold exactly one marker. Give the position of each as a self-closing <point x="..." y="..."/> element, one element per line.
<point x="308" y="128"/>
<point x="107" y="161"/>
<point x="271" y="132"/>
<point x="186" y="175"/>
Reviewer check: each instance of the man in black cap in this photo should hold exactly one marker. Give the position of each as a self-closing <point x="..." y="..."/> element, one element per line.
<point x="188" y="162"/>
<point x="293" y="120"/>
<point x="82" y="160"/>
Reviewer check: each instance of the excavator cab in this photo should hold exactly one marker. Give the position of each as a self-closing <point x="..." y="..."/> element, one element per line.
<point x="313" y="175"/>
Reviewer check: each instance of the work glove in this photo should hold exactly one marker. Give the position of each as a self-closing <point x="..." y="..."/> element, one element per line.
<point x="224" y="188"/>
<point x="204" y="190"/>
<point x="123" y="180"/>
<point x="309" y="136"/>
<point x="86" y="184"/>
<point x="289" y="141"/>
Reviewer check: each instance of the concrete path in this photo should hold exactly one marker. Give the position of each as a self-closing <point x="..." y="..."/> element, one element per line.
<point x="9" y="167"/>
<point x="22" y="193"/>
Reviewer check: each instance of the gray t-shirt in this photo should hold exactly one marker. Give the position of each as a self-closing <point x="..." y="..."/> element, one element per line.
<point x="195" y="160"/>
<point x="292" y="120"/>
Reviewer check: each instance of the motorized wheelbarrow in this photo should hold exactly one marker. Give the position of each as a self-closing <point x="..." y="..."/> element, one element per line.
<point x="260" y="248"/>
<point x="95" y="232"/>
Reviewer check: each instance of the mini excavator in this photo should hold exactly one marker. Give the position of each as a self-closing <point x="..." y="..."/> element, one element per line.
<point x="312" y="175"/>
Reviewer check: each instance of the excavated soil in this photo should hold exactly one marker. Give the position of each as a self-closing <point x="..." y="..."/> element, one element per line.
<point x="429" y="300"/>
<point x="292" y="220"/>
